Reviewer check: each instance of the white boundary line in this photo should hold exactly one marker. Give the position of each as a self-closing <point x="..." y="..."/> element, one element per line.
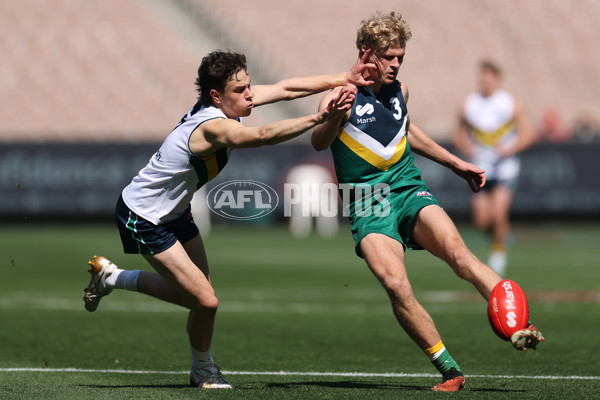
<point x="293" y="373"/>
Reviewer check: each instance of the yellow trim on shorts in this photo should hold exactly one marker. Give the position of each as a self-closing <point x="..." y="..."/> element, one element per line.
<point x="432" y="350"/>
<point x="370" y="156"/>
<point x="492" y="138"/>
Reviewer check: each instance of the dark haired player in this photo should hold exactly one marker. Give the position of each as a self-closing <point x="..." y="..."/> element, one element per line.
<point x="153" y="212"/>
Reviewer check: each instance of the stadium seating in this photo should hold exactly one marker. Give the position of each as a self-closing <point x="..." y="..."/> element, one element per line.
<point x="108" y="70"/>
<point x="121" y="70"/>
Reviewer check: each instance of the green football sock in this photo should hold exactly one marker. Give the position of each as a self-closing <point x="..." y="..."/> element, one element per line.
<point x="441" y="358"/>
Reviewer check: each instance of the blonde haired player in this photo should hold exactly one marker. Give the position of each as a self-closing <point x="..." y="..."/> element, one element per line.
<point x="371" y="145"/>
<point x="493" y="128"/>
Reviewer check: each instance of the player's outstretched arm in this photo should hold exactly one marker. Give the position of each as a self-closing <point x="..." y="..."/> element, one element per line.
<point x="424" y="145"/>
<point x="324" y="134"/>
<point x="525" y="133"/>
<point x="293" y="88"/>
<point x="460" y="138"/>
<point x="223" y="132"/>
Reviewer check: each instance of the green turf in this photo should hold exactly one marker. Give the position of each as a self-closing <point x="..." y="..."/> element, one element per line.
<point x="289" y="305"/>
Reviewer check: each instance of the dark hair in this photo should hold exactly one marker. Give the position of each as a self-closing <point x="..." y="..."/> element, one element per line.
<point x="216" y="69"/>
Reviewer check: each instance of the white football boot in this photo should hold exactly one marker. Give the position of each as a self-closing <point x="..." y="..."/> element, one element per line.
<point x="209" y="377"/>
<point x="100" y="269"/>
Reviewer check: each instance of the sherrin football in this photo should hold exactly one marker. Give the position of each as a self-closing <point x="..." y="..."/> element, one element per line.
<point x="508" y="310"/>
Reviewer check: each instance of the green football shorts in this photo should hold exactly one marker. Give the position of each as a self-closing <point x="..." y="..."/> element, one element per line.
<point x="393" y="216"/>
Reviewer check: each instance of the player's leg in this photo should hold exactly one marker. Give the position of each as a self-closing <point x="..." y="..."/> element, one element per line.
<point x="501" y="199"/>
<point x="436" y="232"/>
<point x="153" y="284"/>
<point x="181" y="277"/>
<point x="481" y="210"/>
<point x="110" y="277"/>
<point x="385" y="258"/>
<point x="196" y="252"/>
<point x="185" y="268"/>
<point x="184" y="283"/>
<point x="181" y="281"/>
<point x="204" y="371"/>
<point x="182" y="272"/>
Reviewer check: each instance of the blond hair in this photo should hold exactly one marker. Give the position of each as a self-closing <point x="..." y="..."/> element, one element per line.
<point x="382" y="31"/>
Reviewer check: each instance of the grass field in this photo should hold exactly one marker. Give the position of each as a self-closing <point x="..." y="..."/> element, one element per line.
<point x="297" y="319"/>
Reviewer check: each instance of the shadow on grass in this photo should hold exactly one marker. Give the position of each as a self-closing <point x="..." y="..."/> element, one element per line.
<point x="295" y="385"/>
<point x="380" y="386"/>
<point x="135" y="386"/>
<point x="348" y="385"/>
<point x="497" y="390"/>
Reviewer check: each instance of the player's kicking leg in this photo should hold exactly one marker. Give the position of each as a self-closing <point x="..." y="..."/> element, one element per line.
<point x="436" y="232"/>
<point x="527" y="338"/>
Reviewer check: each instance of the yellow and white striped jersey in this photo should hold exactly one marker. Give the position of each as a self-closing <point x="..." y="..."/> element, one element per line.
<point x="491" y="119"/>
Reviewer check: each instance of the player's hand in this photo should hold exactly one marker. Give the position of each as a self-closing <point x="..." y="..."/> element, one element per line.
<point x="356" y="75"/>
<point x="339" y="105"/>
<point x="505" y="151"/>
<point x="527" y="338"/>
<point x="474" y="175"/>
<point x="345" y="98"/>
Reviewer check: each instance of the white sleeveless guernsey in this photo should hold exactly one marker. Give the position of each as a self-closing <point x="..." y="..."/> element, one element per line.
<point x="491" y="118"/>
<point x="163" y="189"/>
<point x="491" y="123"/>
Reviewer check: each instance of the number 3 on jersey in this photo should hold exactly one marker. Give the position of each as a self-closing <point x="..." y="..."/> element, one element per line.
<point x="396" y="104"/>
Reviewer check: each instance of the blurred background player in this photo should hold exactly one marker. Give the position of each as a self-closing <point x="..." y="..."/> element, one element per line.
<point x="201" y="212"/>
<point x="311" y="201"/>
<point x="153" y="211"/>
<point x="493" y="128"/>
<point x="371" y="145"/>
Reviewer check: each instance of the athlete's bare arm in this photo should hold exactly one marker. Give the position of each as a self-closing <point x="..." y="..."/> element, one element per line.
<point x="323" y="135"/>
<point x="424" y="145"/>
<point x="460" y="138"/>
<point x="525" y="132"/>
<point x="221" y="132"/>
<point x="293" y="88"/>
<point x="421" y="143"/>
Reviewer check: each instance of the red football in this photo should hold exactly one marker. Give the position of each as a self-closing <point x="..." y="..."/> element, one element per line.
<point x="508" y="310"/>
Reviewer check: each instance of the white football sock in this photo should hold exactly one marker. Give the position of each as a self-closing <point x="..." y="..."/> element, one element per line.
<point x="123" y="279"/>
<point x="201" y="359"/>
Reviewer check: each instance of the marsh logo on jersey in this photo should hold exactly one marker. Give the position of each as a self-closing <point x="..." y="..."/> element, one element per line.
<point x="242" y="200"/>
<point x="366" y="109"/>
